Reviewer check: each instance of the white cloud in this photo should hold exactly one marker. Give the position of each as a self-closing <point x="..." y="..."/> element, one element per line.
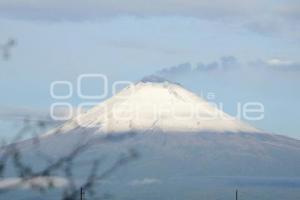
<point x="281" y="64"/>
<point x="145" y="181"/>
<point x="43" y="182"/>
<point x="264" y="16"/>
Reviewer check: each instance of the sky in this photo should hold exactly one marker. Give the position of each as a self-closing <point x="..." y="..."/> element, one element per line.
<point x="239" y="50"/>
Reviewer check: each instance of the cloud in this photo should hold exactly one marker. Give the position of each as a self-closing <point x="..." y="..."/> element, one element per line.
<point x="263" y="16"/>
<point x="29" y="114"/>
<point x="43" y="182"/>
<point x="176" y="70"/>
<point x="283" y="18"/>
<point x="145" y="181"/>
<point x="22" y="113"/>
<point x="229" y="63"/>
<point x="78" y="10"/>
<point x="277" y="64"/>
<point x="208" y="67"/>
<point x="290" y="11"/>
<point x="226" y="63"/>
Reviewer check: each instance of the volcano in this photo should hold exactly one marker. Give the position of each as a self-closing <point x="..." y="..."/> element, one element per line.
<point x="157" y="104"/>
<point x="182" y="140"/>
<point x="175" y="124"/>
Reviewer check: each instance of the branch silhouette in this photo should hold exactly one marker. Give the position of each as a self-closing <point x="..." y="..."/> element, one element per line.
<point x="6" y="48"/>
<point x="26" y="174"/>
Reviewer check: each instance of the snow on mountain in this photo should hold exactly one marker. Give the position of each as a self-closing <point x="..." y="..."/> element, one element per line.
<point x="178" y="129"/>
<point x="157" y="104"/>
<point x="191" y="140"/>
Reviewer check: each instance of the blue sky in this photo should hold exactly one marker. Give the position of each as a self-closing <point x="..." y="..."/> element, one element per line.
<point x="59" y="40"/>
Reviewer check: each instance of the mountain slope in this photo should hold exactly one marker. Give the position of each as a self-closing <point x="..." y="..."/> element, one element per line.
<point x="157" y="104"/>
<point x="175" y="125"/>
<point x="185" y="144"/>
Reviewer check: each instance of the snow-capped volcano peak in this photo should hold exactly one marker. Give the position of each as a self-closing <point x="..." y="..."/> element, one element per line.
<point x="157" y="104"/>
